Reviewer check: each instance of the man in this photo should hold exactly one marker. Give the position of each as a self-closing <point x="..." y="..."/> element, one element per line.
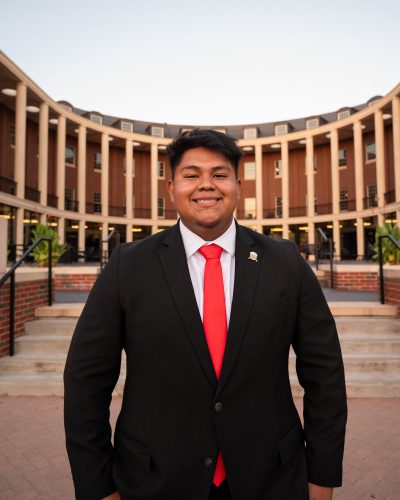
<point x="206" y="312"/>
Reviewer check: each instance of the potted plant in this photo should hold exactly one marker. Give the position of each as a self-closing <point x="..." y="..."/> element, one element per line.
<point x="390" y="253"/>
<point x="41" y="252"/>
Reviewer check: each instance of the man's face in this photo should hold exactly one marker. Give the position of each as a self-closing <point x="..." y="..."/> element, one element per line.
<point x="205" y="192"/>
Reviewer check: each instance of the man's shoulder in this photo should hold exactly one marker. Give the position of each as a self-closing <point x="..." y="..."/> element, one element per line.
<point x="265" y="241"/>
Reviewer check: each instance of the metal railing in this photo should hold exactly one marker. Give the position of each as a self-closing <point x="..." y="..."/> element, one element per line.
<point x="104" y="254"/>
<point x="11" y="274"/>
<point x="330" y="242"/>
<point x="380" y="257"/>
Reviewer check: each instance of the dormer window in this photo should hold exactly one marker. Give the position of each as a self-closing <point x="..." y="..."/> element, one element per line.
<point x="126" y="126"/>
<point x="343" y="114"/>
<point x="222" y="130"/>
<point x="312" y="123"/>
<point x="183" y="130"/>
<point x="250" y="133"/>
<point x="96" y="118"/>
<point x="157" y="131"/>
<point x="281" y="129"/>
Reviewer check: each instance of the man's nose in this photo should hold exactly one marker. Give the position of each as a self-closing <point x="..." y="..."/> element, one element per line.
<point x="206" y="182"/>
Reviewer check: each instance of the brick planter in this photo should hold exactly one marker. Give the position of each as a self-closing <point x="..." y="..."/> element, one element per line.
<point x="75" y="278"/>
<point x="392" y="286"/>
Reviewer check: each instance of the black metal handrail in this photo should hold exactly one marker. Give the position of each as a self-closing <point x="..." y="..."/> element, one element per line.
<point x="380" y="256"/>
<point x="329" y="240"/>
<point x="11" y="274"/>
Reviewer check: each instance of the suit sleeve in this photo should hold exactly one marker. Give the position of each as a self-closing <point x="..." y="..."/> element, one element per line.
<point x="320" y="372"/>
<point x="91" y="372"/>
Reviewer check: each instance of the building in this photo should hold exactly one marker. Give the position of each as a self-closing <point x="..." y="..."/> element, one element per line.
<point x="85" y="173"/>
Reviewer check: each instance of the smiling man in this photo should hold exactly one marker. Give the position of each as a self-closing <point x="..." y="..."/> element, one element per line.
<point x="206" y="312"/>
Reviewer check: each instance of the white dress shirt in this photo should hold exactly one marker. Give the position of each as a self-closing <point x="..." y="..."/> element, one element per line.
<point x="197" y="263"/>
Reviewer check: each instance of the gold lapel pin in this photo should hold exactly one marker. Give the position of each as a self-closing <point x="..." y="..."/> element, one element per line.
<point x="253" y="256"/>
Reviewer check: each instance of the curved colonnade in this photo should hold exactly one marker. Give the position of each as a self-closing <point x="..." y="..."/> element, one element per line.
<point x="86" y="174"/>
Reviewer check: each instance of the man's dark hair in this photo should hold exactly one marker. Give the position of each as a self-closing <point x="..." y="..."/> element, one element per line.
<point x="220" y="143"/>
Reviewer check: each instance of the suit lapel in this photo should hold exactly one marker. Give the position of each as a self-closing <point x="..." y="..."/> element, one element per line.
<point x="174" y="263"/>
<point x="246" y="274"/>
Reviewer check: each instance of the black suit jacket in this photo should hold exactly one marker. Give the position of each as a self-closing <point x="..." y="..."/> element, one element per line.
<point x="169" y="430"/>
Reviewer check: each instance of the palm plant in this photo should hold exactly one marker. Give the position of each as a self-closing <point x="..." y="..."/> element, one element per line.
<point x="41" y="252"/>
<point x="390" y="253"/>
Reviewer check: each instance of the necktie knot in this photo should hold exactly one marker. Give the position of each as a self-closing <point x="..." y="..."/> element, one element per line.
<point x="211" y="251"/>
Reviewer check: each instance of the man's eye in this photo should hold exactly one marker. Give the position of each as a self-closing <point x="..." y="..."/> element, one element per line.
<point x="190" y="176"/>
<point x="220" y="176"/>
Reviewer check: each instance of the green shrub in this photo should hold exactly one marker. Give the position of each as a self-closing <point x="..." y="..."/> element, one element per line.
<point x="390" y="253"/>
<point x="40" y="253"/>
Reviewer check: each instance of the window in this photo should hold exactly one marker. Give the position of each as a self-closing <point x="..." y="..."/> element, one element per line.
<point x="343" y="200"/>
<point x="69" y="198"/>
<point x="97" y="203"/>
<point x="157" y="131"/>
<point x="313" y="123"/>
<point x="161" y="169"/>
<point x="250" y="133"/>
<point x="222" y="130"/>
<point x="250" y="208"/>
<point x="69" y="155"/>
<point x="97" y="161"/>
<point x="281" y="129"/>
<point x="278" y="168"/>
<point x="343" y="114"/>
<point x="249" y="170"/>
<point x="278" y="206"/>
<point x="372" y="196"/>
<point x="12" y="134"/>
<point x="126" y="126"/>
<point x="161" y="208"/>
<point x="96" y="118"/>
<point x="342" y="158"/>
<point x="370" y="151"/>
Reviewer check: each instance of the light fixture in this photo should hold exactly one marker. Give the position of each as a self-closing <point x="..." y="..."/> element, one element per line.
<point x="162" y="147"/>
<point x="367" y="223"/>
<point x="302" y="141"/>
<point x="303" y="228"/>
<point x="31" y="221"/>
<point x="32" y="109"/>
<point x="111" y="139"/>
<point x="276" y="146"/>
<point x="276" y="230"/>
<point x="75" y="226"/>
<point x="329" y="226"/>
<point x="76" y="131"/>
<point x="9" y="92"/>
<point x="328" y="136"/>
<point x="111" y="228"/>
<point x="137" y="230"/>
<point x="5" y="216"/>
<point x="136" y="144"/>
<point x="53" y="121"/>
<point x="386" y="116"/>
<point x="391" y="221"/>
<point x="53" y="224"/>
<point x="247" y="148"/>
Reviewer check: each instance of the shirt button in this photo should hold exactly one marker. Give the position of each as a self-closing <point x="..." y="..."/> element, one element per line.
<point x="218" y="407"/>
<point x="208" y="462"/>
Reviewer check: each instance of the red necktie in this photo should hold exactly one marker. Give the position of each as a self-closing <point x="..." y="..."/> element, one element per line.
<point x="214" y="321"/>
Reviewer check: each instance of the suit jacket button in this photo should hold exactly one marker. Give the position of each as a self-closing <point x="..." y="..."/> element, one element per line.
<point x="218" y="407"/>
<point x="208" y="462"/>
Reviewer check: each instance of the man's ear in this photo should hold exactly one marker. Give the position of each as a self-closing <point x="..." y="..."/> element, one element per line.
<point x="171" y="190"/>
<point x="239" y="185"/>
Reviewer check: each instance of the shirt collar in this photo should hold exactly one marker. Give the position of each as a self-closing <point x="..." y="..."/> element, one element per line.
<point x="192" y="242"/>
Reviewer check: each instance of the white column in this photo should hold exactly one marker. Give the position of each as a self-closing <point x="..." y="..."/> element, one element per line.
<point x="360" y="239"/>
<point x="81" y="236"/>
<point x="259" y="188"/>
<point x="105" y="143"/>
<point x="61" y="131"/>
<point x="129" y="187"/>
<point x="310" y="190"/>
<point x="336" y="238"/>
<point x="154" y="186"/>
<point x="396" y="151"/>
<point x="335" y="171"/>
<point x="285" y="187"/>
<point x="43" y="151"/>
<point x="19" y="161"/>
<point x="358" y="166"/>
<point x="82" y="171"/>
<point x="380" y="162"/>
<point x="3" y="245"/>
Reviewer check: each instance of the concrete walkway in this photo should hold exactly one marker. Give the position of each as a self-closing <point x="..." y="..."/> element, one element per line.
<point x="34" y="465"/>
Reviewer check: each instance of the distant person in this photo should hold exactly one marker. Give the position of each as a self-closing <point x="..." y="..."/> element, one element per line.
<point x="206" y="312"/>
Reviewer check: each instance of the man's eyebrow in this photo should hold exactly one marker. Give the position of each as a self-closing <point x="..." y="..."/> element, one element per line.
<point x="196" y="167"/>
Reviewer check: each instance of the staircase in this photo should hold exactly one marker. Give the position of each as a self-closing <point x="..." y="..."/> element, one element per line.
<point x="369" y="334"/>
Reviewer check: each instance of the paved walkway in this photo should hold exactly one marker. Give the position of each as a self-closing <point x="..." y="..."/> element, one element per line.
<point x="34" y="465"/>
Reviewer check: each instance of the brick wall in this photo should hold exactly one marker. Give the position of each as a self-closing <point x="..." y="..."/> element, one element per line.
<point x="81" y="282"/>
<point x="364" y="281"/>
<point x="392" y="289"/>
<point x="28" y="296"/>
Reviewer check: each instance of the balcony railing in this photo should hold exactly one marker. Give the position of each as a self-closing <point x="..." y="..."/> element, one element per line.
<point x="52" y="200"/>
<point x="142" y="213"/>
<point x="8" y="185"/>
<point x="297" y="211"/>
<point x="370" y="202"/>
<point x="390" y="196"/>
<point x="93" y="208"/>
<point x="32" y="194"/>
<point x="170" y="214"/>
<point x="246" y="214"/>
<point x="325" y="208"/>
<point x="116" y="211"/>
<point x="72" y="205"/>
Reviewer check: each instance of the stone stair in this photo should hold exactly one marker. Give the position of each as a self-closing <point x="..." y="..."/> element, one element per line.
<point x="369" y="334"/>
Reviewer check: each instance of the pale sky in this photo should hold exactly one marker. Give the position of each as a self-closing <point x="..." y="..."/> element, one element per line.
<point x="206" y="62"/>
